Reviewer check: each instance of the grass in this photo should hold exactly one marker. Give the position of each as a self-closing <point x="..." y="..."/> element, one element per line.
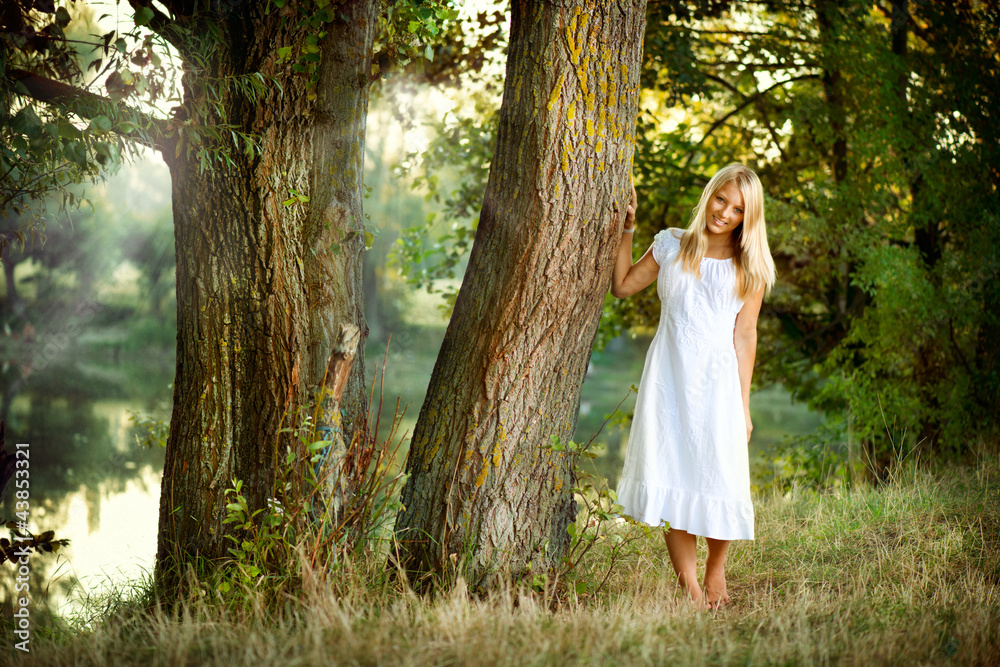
<point x="907" y="573"/>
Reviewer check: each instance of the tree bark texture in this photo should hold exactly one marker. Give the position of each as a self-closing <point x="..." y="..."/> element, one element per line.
<point x="262" y="287"/>
<point x="485" y="491"/>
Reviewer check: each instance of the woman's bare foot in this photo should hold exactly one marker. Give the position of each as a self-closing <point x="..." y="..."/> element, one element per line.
<point x="716" y="595"/>
<point x="689" y="584"/>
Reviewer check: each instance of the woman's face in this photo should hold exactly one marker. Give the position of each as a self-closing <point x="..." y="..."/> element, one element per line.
<point x="724" y="211"/>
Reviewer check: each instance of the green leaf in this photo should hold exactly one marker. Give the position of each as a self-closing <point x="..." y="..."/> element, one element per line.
<point x="100" y="124"/>
<point x="429" y="52"/>
<point x="105" y="152"/>
<point x="27" y="122"/>
<point x="62" y="17"/>
<point x="69" y="131"/>
<point x="75" y="151"/>
<point x="143" y="16"/>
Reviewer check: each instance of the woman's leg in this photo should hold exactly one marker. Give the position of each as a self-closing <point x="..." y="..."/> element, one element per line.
<point x="716" y="595"/>
<point x="683" y="550"/>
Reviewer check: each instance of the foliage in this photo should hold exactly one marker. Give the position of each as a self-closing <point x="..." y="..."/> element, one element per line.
<point x="46" y="147"/>
<point x="453" y="169"/>
<point x="408" y="31"/>
<point x="151" y="433"/>
<point x="467" y="143"/>
<point x="594" y="526"/>
<point x="23" y="539"/>
<point x="817" y="461"/>
<point x="299" y="530"/>
<point x="61" y="133"/>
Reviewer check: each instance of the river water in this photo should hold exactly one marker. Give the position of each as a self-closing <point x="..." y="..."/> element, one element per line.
<point x="91" y="481"/>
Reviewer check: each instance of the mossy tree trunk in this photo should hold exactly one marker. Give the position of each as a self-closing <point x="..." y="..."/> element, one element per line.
<point x="484" y="490"/>
<point x="262" y="287"/>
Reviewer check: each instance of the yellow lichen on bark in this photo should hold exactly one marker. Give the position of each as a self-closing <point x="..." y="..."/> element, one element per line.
<point x="575" y="39"/>
<point x="556" y="90"/>
<point x="481" y="478"/>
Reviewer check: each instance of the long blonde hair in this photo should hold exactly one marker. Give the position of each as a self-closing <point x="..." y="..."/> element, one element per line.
<point x="751" y="254"/>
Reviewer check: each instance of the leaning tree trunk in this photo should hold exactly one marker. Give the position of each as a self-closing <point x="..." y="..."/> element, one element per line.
<point x="261" y="286"/>
<point x="484" y="490"/>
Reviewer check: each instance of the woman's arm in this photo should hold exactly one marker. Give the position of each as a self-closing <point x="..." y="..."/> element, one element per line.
<point x="629" y="278"/>
<point x="745" y="341"/>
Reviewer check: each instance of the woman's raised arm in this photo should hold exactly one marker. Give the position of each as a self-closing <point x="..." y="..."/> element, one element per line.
<point x="629" y="278"/>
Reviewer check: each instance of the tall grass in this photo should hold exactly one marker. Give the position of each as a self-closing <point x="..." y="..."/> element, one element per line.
<point x="906" y="573"/>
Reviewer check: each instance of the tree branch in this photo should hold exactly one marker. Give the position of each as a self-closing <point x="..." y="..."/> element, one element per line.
<point x="751" y="67"/>
<point x="739" y="33"/>
<point x="151" y="131"/>
<point x="747" y="101"/>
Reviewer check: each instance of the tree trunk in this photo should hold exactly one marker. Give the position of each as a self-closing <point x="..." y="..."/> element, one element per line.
<point x="262" y="287"/>
<point x="485" y="491"/>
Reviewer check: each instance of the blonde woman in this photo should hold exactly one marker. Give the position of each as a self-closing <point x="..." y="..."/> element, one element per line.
<point x="687" y="462"/>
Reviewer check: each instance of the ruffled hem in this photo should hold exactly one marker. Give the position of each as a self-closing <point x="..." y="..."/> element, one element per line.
<point x="708" y="516"/>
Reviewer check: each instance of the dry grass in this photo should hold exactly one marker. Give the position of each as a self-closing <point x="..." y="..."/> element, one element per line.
<point x="905" y="574"/>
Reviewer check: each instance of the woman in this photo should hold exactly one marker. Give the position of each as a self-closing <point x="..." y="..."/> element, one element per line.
<point x="687" y="461"/>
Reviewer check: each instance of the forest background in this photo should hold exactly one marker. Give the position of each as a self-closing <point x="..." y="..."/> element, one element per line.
<point x="870" y="125"/>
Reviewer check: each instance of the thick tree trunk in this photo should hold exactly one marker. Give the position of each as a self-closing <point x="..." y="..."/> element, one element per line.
<point x="484" y="490"/>
<point x="261" y="287"/>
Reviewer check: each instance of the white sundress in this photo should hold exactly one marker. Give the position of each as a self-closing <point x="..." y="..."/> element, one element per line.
<point x="687" y="461"/>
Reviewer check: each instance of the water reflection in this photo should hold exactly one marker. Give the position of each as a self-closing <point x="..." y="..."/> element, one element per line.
<point x="91" y="481"/>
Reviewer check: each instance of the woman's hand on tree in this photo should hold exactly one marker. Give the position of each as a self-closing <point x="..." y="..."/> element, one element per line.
<point x="633" y="204"/>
